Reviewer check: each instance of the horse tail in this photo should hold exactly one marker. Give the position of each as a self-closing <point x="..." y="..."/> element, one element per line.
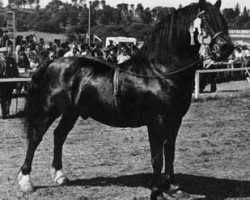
<point x="34" y="102"/>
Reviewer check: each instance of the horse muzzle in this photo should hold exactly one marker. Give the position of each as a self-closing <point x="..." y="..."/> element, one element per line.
<point x="221" y="49"/>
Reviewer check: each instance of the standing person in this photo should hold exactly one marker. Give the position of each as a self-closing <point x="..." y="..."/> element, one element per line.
<point x="208" y="63"/>
<point x="112" y="57"/>
<point x="62" y="50"/>
<point x="72" y="52"/>
<point x="23" y="62"/>
<point x="134" y="50"/>
<point x="111" y="45"/>
<point x="8" y="70"/>
<point x="49" y="59"/>
<point x="123" y="56"/>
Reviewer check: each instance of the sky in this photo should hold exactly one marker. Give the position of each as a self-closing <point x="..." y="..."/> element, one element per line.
<point x="164" y="3"/>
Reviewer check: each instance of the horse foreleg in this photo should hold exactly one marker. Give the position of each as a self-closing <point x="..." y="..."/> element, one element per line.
<point x="156" y="140"/>
<point x="60" y="134"/>
<point x="34" y="138"/>
<point x="169" y="153"/>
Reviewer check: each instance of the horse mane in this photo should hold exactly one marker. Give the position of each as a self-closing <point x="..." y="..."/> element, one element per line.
<point x="171" y="35"/>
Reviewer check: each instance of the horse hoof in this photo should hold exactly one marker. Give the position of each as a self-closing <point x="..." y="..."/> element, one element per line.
<point x="176" y="192"/>
<point x="180" y="195"/>
<point x="59" y="177"/>
<point x="173" y="188"/>
<point x="62" y="181"/>
<point x="25" y="183"/>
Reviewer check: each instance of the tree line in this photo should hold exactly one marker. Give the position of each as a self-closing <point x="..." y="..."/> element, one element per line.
<point x="122" y="20"/>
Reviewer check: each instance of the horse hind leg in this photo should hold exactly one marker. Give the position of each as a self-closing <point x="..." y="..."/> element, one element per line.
<point x="60" y="134"/>
<point x="35" y="136"/>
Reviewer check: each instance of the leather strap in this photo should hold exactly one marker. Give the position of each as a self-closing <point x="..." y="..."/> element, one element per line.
<point x="116" y="90"/>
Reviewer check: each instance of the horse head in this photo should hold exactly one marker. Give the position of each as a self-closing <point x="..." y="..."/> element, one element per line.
<point x="213" y="30"/>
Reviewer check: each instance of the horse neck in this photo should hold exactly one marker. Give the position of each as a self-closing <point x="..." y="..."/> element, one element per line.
<point x="171" y="37"/>
<point x="142" y="65"/>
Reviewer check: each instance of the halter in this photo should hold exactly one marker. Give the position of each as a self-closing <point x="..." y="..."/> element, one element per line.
<point x="204" y="37"/>
<point x="211" y="33"/>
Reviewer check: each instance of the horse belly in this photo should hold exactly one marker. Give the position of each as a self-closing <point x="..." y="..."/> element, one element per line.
<point x="97" y="102"/>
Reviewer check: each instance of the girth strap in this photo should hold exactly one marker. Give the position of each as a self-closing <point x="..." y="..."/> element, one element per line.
<point x="116" y="90"/>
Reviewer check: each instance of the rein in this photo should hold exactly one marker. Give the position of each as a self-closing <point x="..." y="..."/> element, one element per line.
<point x="164" y="76"/>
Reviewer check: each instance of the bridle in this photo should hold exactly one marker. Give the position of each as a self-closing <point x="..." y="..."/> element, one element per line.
<point x="209" y="33"/>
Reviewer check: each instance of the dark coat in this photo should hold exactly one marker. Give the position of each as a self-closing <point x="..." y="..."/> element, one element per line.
<point x="8" y="70"/>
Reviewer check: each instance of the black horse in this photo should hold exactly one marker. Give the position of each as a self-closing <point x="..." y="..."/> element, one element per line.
<point x="153" y="89"/>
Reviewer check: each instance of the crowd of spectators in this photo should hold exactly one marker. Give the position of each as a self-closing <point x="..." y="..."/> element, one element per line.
<point x="30" y="54"/>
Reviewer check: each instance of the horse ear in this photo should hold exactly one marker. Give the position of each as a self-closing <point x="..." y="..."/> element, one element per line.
<point x="218" y="4"/>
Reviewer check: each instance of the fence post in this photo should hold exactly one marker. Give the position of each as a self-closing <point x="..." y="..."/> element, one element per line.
<point x="197" y="85"/>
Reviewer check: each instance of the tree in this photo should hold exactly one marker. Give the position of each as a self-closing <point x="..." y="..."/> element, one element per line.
<point x="146" y="16"/>
<point x="244" y="18"/>
<point x="237" y="10"/>
<point x="139" y="8"/>
<point x="123" y="7"/>
<point x="103" y="3"/>
<point x="228" y="13"/>
<point x="31" y="2"/>
<point x="245" y="12"/>
<point x="74" y="2"/>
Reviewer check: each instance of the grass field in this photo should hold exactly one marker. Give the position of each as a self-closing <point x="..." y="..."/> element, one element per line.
<point x="105" y="163"/>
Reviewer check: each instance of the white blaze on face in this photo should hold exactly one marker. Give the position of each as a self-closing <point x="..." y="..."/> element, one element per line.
<point x="203" y="37"/>
<point x="196" y="25"/>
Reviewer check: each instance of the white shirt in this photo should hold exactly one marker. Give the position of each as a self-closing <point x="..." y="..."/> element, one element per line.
<point x="122" y="58"/>
<point x="70" y="54"/>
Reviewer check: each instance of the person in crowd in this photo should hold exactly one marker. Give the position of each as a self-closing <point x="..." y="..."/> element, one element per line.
<point x="28" y="51"/>
<point x="73" y="51"/>
<point x="207" y="63"/>
<point x="111" y="45"/>
<point x="62" y="50"/>
<point x="85" y="50"/>
<point x="134" y="50"/>
<point x="123" y="56"/>
<point x="17" y="52"/>
<point x="112" y="57"/>
<point x="23" y="62"/>
<point x="33" y="61"/>
<point x="8" y="69"/>
<point x="50" y="58"/>
<point x="51" y="47"/>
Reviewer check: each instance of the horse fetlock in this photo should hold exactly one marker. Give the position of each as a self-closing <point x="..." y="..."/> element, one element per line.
<point x="59" y="177"/>
<point x="25" y="183"/>
<point x="175" y="192"/>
